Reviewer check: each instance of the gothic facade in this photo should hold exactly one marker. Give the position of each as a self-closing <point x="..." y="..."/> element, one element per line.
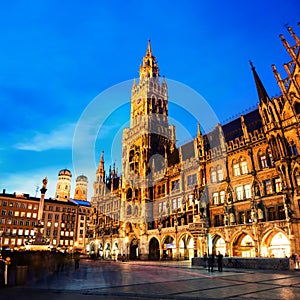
<point x="235" y="189"/>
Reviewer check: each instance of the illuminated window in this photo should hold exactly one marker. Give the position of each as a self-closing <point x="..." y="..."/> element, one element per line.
<point x="192" y="179"/>
<point x="220" y="174"/>
<point x="268" y="187"/>
<point x="244" y="167"/>
<point x="247" y="189"/>
<point x="175" y="185"/>
<point x="222" y="196"/>
<point x="278" y="185"/>
<point x="215" y="196"/>
<point x="213" y="176"/>
<point x="236" y="169"/>
<point x="239" y="193"/>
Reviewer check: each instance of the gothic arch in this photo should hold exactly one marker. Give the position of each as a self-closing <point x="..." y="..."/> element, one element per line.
<point x="129" y="210"/>
<point x="281" y="145"/>
<point x="168" y="244"/>
<point x="129" y="194"/>
<point x="185" y="246"/>
<point x="242" y="244"/>
<point x="275" y="243"/>
<point x="274" y="147"/>
<point x="154" y="249"/>
<point x="266" y="117"/>
<point x="219" y="244"/>
<point x="133" y="249"/>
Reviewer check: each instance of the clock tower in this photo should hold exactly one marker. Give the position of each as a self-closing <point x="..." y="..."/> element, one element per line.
<point x="146" y="145"/>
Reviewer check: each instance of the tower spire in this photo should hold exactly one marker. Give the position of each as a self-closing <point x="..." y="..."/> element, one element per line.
<point x="261" y="91"/>
<point x="100" y="170"/>
<point x="149" y="66"/>
<point x="149" y="47"/>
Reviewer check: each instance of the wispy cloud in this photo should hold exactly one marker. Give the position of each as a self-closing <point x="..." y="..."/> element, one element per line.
<point x="60" y="138"/>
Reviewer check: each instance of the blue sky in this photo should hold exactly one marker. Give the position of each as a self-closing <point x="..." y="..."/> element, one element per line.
<point x="57" y="56"/>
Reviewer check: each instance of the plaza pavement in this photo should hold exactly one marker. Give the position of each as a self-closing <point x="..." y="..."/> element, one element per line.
<point x="156" y="280"/>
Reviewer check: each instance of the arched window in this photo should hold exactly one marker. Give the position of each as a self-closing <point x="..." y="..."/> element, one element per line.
<point x="292" y="149"/>
<point x="269" y="157"/>
<point x="272" y="114"/>
<point x="262" y="160"/>
<point x="220" y="175"/>
<point x="129" y="194"/>
<point x="129" y="210"/>
<point x="266" y="116"/>
<point x="274" y="148"/>
<point x="222" y="196"/>
<point x="213" y="175"/>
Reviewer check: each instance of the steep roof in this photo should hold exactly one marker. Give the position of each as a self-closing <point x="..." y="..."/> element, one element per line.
<point x="188" y="150"/>
<point x="233" y="129"/>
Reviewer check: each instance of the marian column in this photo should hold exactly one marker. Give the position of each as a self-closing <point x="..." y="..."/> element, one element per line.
<point x="42" y="199"/>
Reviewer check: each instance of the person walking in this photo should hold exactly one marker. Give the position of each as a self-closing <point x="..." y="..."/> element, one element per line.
<point x="205" y="260"/>
<point x="76" y="259"/>
<point x="211" y="262"/>
<point x="220" y="261"/>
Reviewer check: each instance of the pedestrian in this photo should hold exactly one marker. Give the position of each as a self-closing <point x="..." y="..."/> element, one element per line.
<point x="220" y="261"/>
<point x="205" y="260"/>
<point x="211" y="262"/>
<point x="76" y="259"/>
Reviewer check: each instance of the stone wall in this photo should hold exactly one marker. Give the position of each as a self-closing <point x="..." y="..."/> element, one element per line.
<point x="250" y="263"/>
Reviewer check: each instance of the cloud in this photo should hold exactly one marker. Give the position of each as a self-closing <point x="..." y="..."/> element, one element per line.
<point x="60" y="138"/>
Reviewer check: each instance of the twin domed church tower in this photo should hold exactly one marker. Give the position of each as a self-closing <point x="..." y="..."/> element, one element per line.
<point x="63" y="187"/>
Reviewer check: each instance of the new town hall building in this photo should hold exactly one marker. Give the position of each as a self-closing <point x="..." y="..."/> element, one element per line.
<point x="235" y="189"/>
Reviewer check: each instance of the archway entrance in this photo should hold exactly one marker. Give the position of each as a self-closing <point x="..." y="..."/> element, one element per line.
<point x="154" y="253"/>
<point x="186" y="247"/>
<point x="169" y="245"/>
<point x="134" y="250"/>
<point x="220" y="245"/>
<point x="276" y="245"/>
<point x="107" y="251"/>
<point x="244" y="246"/>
